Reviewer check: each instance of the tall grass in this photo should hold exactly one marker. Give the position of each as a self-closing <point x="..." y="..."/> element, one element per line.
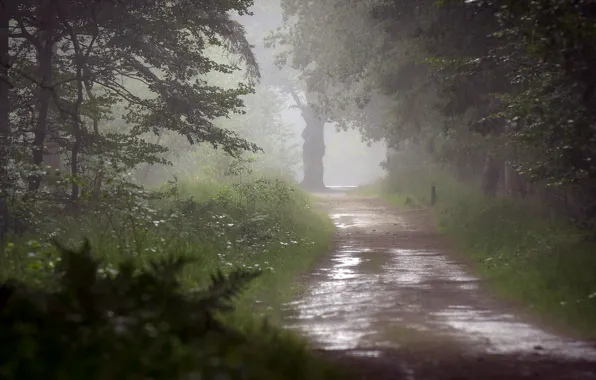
<point x="528" y="254"/>
<point x="262" y="224"/>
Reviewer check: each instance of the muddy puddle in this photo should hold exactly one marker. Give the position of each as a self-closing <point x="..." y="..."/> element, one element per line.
<point x="390" y="283"/>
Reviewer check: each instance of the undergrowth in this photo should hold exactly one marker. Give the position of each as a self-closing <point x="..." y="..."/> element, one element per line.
<point x="261" y="225"/>
<point x="528" y="254"/>
<point x="139" y="324"/>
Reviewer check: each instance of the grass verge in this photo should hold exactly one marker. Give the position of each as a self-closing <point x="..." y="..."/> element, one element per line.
<point x="264" y="225"/>
<point x="528" y="255"/>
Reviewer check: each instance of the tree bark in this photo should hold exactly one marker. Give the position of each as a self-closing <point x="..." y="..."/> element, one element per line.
<point x="44" y="56"/>
<point x="4" y="120"/>
<point x="78" y="135"/>
<point x="313" y="151"/>
<point x="79" y="61"/>
<point x="100" y="172"/>
<point x="4" y="88"/>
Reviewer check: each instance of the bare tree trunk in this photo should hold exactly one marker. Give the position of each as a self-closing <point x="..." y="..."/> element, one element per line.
<point x="44" y="56"/>
<point x="74" y="161"/>
<point x="5" y="131"/>
<point x="100" y="173"/>
<point x="4" y="87"/>
<point x="79" y="60"/>
<point x="97" y="184"/>
<point x="4" y="84"/>
<point x="313" y="151"/>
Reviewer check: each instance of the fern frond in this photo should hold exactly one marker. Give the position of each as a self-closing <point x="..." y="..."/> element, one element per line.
<point x="223" y="289"/>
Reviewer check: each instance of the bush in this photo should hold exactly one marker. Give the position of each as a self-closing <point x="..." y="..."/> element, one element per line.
<point x="528" y="254"/>
<point x="263" y="224"/>
<point x="137" y="324"/>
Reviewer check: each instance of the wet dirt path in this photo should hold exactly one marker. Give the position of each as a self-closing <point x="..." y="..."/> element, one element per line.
<point x="391" y="292"/>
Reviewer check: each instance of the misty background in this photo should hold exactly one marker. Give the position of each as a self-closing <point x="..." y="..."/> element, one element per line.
<point x="349" y="160"/>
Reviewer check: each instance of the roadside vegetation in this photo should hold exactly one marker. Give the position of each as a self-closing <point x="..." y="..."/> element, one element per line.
<point x="531" y="255"/>
<point x="154" y="130"/>
<point x="150" y="224"/>
<point x="262" y="224"/>
<point x="256" y="237"/>
<point x="494" y="102"/>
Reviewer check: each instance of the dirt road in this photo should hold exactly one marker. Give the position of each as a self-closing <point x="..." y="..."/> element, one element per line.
<point x="392" y="302"/>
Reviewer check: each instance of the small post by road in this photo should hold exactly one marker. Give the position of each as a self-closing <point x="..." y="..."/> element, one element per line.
<point x="433" y="195"/>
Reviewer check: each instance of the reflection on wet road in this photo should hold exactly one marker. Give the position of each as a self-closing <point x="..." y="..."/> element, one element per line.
<point x="390" y="282"/>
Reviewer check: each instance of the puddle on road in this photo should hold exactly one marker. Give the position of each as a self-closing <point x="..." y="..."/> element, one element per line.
<point x="371" y="286"/>
<point x="367" y="220"/>
<point x="505" y="334"/>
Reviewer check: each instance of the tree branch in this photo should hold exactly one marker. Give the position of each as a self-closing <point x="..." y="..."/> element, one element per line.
<point x="297" y="99"/>
<point x="121" y="91"/>
<point x="28" y="36"/>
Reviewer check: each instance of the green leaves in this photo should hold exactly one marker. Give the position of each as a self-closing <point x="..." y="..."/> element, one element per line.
<point x="465" y="80"/>
<point x="122" y="71"/>
<point x="124" y="326"/>
<point x="220" y="293"/>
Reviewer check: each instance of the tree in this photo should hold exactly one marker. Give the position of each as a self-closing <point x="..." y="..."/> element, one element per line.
<point x="83" y="51"/>
<point x="313" y="149"/>
<point x="504" y="83"/>
<point x="71" y="68"/>
<point x="4" y="113"/>
<point x="286" y="80"/>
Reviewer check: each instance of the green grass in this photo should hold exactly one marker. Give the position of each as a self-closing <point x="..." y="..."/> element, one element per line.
<point x="529" y="256"/>
<point x="266" y="225"/>
<point x="261" y="224"/>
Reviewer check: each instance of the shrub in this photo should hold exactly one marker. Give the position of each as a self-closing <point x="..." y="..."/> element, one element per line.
<point x="529" y="255"/>
<point x="137" y="324"/>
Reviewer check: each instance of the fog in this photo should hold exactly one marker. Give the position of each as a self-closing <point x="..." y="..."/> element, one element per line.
<point x="273" y="118"/>
<point x="172" y="173"/>
<point x="348" y="159"/>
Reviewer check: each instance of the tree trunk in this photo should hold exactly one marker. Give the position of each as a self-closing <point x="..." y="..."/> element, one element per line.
<point x="79" y="61"/>
<point x="44" y="59"/>
<point x="4" y="121"/>
<point x="4" y="88"/>
<point x="313" y="151"/>
<point x="492" y="172"/>
<point x="100" y="172"/>
<point x="4" y="84"/>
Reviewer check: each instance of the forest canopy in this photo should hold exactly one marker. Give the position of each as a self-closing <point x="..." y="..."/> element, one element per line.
<point x="499" y="91"/>
<point x="85" y="84"/>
